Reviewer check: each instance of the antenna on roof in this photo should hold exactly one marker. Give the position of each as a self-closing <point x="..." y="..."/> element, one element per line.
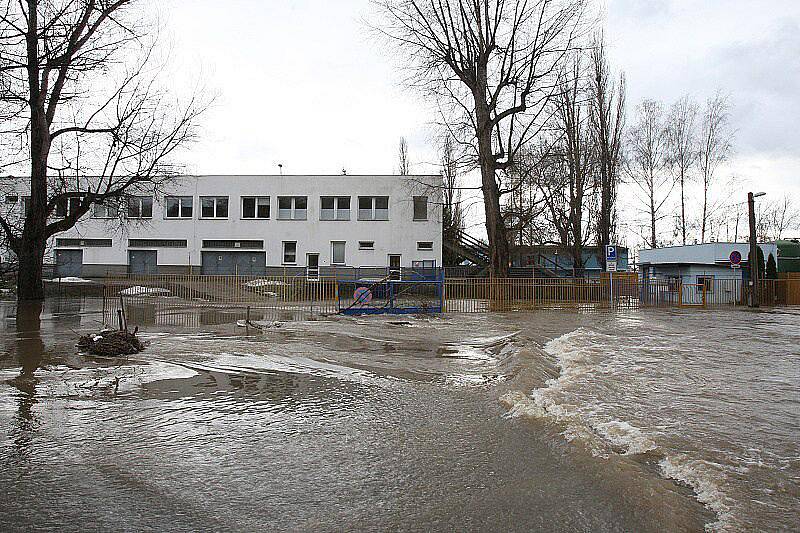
<point x="280" y="168"/>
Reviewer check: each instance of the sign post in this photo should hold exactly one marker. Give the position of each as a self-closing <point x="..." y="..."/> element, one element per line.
<point x="611" y="267"/>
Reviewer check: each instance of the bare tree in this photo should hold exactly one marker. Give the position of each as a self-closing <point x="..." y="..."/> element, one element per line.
<point x="607" y="122"/>
<point x="777" y="217"/>
<point x="714" y="148"/>
<point x="645" y="163"/>
<point x="452" y="208"/>
<point x="537" y="203"/>
<point x="572" y="157"/>
<point x="84" y="115"/>
<point x="683" y="152"/>
<point x="491" y="65"/>
<point x="404" y="163"/>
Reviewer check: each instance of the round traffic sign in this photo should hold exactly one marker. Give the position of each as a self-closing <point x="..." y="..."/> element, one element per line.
<point x="362" y="296"/>
<point x="735" y="257"/>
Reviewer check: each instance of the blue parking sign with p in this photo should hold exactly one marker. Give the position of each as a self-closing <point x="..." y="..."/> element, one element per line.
<point x="611" y="253"/>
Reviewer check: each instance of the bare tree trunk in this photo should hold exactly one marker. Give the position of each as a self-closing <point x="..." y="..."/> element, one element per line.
<point x="32" y="242"/>
<point x="704" y="220"/>
<point x="683" y="209"/>
<point x="29" y="278"/>
<point x="653" y="242"/>
<point x="495" y="225"/>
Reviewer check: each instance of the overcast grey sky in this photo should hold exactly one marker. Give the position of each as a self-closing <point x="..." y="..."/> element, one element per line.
<point x="303" y="84"/>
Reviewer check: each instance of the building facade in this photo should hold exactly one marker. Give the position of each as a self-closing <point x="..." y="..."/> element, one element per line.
<point x="259" y="225"/>
<point x="700" y="265"/>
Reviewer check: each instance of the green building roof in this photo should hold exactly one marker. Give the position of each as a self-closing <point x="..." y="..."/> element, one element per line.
<point x="788" y="255"/>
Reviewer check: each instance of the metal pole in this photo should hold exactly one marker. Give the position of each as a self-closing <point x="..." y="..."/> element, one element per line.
<point x="754" y="296"/>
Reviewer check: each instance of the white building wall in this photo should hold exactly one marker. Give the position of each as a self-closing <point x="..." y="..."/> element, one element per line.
<point x="701" y="254"/>
<point x="397" y="235"/>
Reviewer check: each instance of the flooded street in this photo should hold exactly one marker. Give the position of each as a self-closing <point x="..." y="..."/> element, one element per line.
<point x="644" y="420"/>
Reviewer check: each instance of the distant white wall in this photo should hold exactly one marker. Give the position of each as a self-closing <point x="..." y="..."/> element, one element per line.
<point x="714" y="253"/>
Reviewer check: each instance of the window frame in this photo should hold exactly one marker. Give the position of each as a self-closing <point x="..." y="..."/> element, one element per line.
<point x="139" y="201"/>
<point x="283" y="253"/>
<point x="371" y="247"/>
<point x="425" y="249"/>
<point x="414" y="216"/>
<point x="65" y="206"/>
<point x="180" y="199"/>
<point x="255" y="207"/>
<point x="705" y="281"/>
<point x="293" y="209"/>
<point x="111" y="204"/>
<point x="344" y="253"/>
<point x="215" y="207"/>
<point x="373" y="210"/>
<point x="337" y="212"/>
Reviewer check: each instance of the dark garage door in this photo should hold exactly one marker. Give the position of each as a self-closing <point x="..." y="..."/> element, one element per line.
<point x="69" y="263"/>
<point x="142" y="262"/>
<point x="228" y="263"/>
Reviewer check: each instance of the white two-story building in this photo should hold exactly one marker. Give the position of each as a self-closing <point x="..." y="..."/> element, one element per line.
<point x="260" y="225"/>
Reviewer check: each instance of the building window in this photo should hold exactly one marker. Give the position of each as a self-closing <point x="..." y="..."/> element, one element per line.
<point x="255" y="206"/>
<point x="373" y="208"/>
<point x="366" y="245"/>
<point x="420" y="208"/>
<point x="157" y="243"/>
<point x="178" y="206"/>
<point x="68" y="205"/>
<point x="107" y="209"/>
<point x="424" y="245"/>
<point x="104" y="243"/>
<point x="706" y="282"/>
<point x="337" y="252"/>
<point x="292" y="207"/>
<point x="289" y="253"/>
<point x="427" y="263"/>
<point x="230" y="243"/>
<point x="673" y="282"/>
<point x="334" y="208"/>
<point x="140" y="206"/>
<point x="213" y="207"/>
<point x="11" y="199"/>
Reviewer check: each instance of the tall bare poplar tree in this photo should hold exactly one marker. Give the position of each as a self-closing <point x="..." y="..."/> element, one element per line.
<point x="608" y="121"/>
<point x="452" y="207"/>
<point x="84" y="116"/>
<point x="403" y="162"/>
<point x="492" y="66"/>
<point x="573" y="158"/>
<point x="645" y="163"/>
<point x="714" y="148"/>
<point x="683" y="153"/>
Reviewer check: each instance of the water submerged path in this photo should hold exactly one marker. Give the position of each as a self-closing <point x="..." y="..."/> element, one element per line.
<point x="379" y="423"/>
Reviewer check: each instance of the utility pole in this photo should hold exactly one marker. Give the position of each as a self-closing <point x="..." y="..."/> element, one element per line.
<point x="754" y="266"/>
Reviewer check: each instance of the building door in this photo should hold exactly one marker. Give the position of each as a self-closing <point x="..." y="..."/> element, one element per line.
<point x="142" y="262"/>
<point x="312" y="267"/>
<point x="395" y="271"/>
<point x="224" y="263"/>
<point x="69" y="263"/>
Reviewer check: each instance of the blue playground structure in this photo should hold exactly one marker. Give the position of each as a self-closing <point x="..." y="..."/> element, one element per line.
<point x="419" y="294"/>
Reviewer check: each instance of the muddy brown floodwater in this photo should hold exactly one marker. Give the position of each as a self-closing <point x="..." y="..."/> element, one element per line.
<point x="548" y="421"/>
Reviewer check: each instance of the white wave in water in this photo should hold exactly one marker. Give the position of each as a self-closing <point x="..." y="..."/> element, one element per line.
<point x="576" y="354"/>
<point x="703" y="481"/>
<point x="581" y="352"/>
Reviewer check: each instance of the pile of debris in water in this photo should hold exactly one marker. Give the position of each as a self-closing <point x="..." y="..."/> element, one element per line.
<point x="111" y="342"/>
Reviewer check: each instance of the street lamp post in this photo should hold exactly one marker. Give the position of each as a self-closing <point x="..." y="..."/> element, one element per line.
<point x="754" y="266"/>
